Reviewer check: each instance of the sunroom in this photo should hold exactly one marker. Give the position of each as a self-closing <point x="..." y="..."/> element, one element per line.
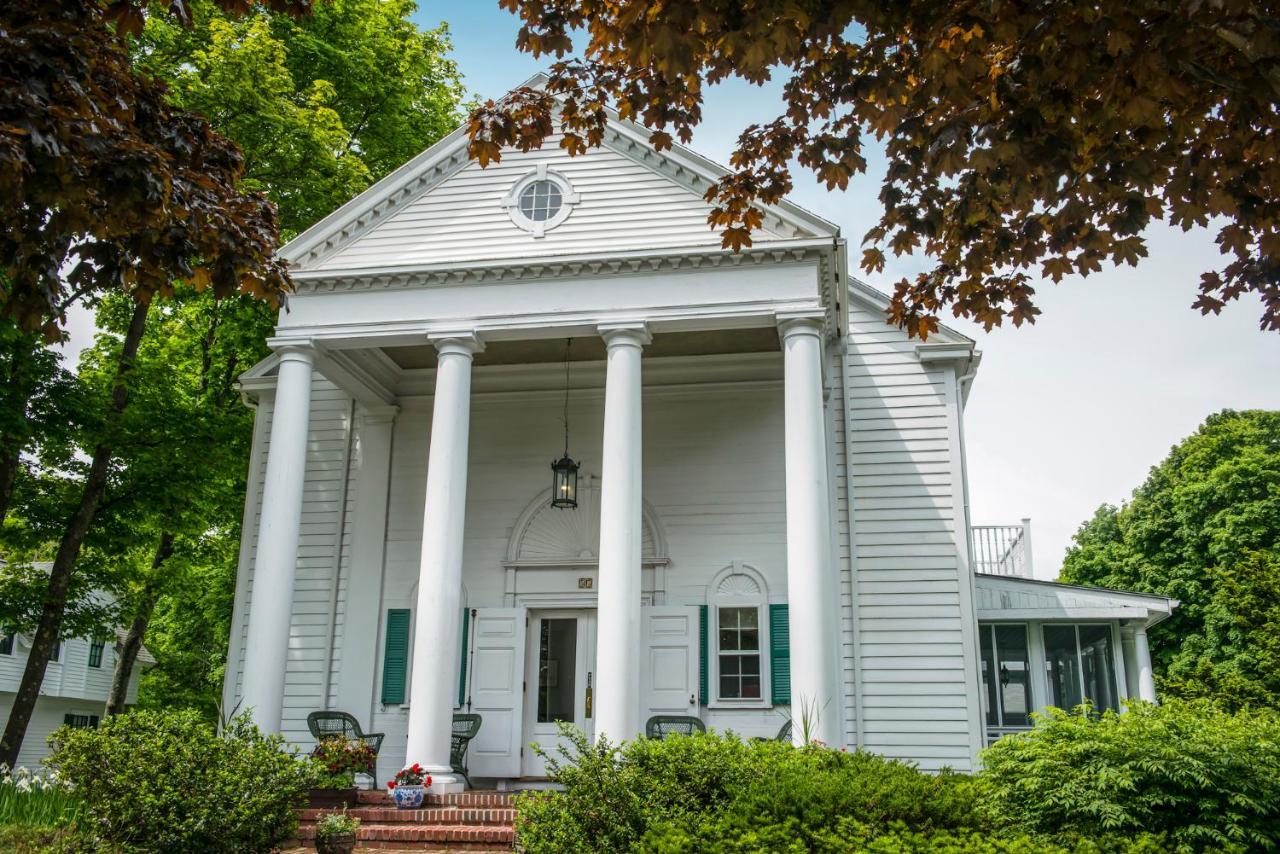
<point x="1048" y="644"/>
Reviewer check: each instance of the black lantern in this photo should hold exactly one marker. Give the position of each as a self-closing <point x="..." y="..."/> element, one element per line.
<point x="564" y="471"/>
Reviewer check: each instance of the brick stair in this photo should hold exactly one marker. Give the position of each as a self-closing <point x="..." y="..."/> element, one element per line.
<point x="468" y="821"/>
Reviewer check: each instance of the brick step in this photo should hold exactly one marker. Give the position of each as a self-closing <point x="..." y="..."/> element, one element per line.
<point x="470" y="798"/>
<point x="503" y="816"/>
<point x="412" y="835"/>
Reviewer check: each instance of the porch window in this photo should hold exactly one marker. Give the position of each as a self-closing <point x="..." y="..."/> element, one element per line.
<point x="1080" y="662"/>
<point x="739" y="653"/>
<point x="1006" y="678"/>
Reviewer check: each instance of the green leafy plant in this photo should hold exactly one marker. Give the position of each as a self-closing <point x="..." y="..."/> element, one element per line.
<point x="333" y="824"/>
<point x="167" y="781"/>
<point x="1207" y="779"/>
<point x="337" y="760"/>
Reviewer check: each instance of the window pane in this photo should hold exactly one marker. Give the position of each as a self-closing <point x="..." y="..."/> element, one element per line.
<point x="751" y="687"/>
<point x="1015" y="672"/>
<point x="729" y="617"/>
<point x="750" y="665"/>
<point x="749" y="617"/>
<point x="749" y="639"/>
<point x="557" y="669"/>
<point x="729" y="665"/>
<point x="6" y="645"/>
<point x="1097" y="665"/>
<point x="988" y="676"/>
<point x="729" y="689"/>
<point x="1063" y="666"/>
<point x="728" y="639"/>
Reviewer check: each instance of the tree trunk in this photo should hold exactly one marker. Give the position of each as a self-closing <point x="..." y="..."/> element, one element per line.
<point x="55" y="602"/>
<point x="137" y="631"/>
<point x="8" y="476"/>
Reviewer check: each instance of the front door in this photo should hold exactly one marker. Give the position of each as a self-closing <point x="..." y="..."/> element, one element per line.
<point x="559" y="681"/>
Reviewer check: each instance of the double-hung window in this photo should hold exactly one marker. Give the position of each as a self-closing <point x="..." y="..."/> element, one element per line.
<point x="739" y="654"/>
<point x="95" y="652"/>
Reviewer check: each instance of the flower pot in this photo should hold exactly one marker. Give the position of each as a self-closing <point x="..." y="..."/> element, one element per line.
<point x="409" y="797"/>
<point x="323" y="799"/>
<point x="338" y="843"/>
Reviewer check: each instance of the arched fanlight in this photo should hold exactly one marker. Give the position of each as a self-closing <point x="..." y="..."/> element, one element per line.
<point x="564" y="471"/>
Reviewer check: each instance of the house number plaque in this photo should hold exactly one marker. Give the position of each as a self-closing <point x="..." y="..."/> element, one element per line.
<point x="584" y="583"/>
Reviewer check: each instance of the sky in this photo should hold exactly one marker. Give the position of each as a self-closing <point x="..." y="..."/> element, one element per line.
<point x="1064" y="415"/>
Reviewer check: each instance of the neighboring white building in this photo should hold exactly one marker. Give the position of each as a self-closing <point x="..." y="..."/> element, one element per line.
<point x="75" y="688"/>
<point x="771" y="509"/>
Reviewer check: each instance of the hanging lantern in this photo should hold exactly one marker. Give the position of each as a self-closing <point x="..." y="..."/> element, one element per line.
<point x="564" y="483"/>
<point x="564" y="471"/>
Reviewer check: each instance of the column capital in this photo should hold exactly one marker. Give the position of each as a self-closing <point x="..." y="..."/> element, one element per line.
<point x="630" y="334"/>
<point x="369" y="414"/>
<point x="457" y="342"/>
<point x="803" y="322"/>
<point x="294" y="349"/>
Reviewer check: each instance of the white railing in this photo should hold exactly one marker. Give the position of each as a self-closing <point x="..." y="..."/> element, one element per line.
<point x="1002" y="549"/>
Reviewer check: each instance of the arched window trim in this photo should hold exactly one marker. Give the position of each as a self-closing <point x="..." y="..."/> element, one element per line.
<point x="718" y="599"/>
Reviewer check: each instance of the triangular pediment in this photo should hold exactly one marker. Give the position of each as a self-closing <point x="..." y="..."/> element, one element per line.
<point x="442" y="208"/>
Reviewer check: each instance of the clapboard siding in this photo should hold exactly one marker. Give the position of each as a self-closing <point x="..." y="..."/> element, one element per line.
<point x="914" y="698"/>
<point x="320" y="549"/>
<point x="623" y="205"/>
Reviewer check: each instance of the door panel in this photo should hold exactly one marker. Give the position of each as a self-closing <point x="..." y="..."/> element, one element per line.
<point x="669" y="663"/>
<point x="559" y="673"/>
<point x="496" y="692"/>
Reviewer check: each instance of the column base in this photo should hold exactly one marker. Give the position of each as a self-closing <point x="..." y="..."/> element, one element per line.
<point x="446" y="781"/>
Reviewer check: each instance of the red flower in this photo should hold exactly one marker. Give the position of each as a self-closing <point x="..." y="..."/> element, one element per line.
<point x="391" y="784"/>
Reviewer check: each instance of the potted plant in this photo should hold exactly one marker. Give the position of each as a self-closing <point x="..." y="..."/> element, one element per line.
<point x="336" y="761"/>
<point x="409" y="788"/>
<point x="336" y="833"/>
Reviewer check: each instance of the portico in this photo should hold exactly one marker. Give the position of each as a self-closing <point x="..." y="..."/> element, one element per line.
<point x="617" y="565"/>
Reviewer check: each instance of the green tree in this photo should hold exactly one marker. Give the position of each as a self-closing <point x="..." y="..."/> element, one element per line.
<point x="1020" y="137"/>
<point x="1204" y="529"/>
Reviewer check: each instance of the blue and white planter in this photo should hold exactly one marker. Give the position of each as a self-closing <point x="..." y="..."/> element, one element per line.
<point x="409" y="797"/>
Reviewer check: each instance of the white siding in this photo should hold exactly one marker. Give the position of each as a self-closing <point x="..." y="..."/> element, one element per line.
<point x="911" y="618"/>
<point x="624" y="205"/>
<point x="310" y="633"/>
<point x="47" y="717"/>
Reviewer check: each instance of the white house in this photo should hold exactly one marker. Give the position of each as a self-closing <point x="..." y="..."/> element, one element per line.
<point x="771" y="514"/>
<point x="75" y="687"/>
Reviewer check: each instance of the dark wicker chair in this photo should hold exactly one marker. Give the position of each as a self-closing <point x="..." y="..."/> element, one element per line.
<point x="465" y="728"/>
<point x="333" y="724"/>
<point x="661" y="726"/>
<point x="784" y="734"/>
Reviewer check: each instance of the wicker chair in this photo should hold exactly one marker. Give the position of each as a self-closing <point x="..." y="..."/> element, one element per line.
<point x="661" y="726"/>
<point x="784" y="734"/>
<point x="465" y="728"/>
<point x="331" y="724"/>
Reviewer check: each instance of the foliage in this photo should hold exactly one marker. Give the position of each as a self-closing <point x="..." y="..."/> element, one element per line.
<point x="336" y="824"/>
<point x="1018" y="136"/>
<point x="164" y="781"/>
<point x="338" y="759"/>
<point x="412" y="775"/>
<point x="142" y="193"/>
<point x="1207" y="779"/>
<point x="660" y="792"/>
<point x="1203" y="529"/>
<point x="35" y="799"/>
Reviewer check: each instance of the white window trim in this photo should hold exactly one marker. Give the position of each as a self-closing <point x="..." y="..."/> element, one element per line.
<point x="538" y="228"/>
<point x="761" y="603"/>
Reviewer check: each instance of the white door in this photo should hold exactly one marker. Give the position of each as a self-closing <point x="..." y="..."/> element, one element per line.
<point x="497" y="674"/>
<point x="559" y="681"/>
<point x="669" y="660"/>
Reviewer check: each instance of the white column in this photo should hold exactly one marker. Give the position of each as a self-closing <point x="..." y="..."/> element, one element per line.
<point x="362" y="613"/>
<point x="1129" y="654"/>
<point x="274" y="565"/>
<point x="1146" y="678"/>
<point x="617" y="712"/>
<point x="810" y="586"/>
<point x="435" y="639"/>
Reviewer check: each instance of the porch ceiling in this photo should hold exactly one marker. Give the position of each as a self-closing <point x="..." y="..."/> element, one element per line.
<point x="763" y="339"/>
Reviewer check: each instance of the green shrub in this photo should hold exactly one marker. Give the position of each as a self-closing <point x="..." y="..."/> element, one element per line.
<point x="664" y="795"/>
<point x="1206" y="779"/>
<point x="167" y="781"/>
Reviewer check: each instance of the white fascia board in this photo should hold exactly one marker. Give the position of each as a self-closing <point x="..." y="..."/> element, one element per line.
<point x="875" y="298"/>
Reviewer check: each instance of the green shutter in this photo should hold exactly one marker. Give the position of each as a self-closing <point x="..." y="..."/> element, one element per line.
<point x="702" y="654"/>
<point x="395" y="657"/>
<point x="462" y="671"/>
<point x="780" y="654"/>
